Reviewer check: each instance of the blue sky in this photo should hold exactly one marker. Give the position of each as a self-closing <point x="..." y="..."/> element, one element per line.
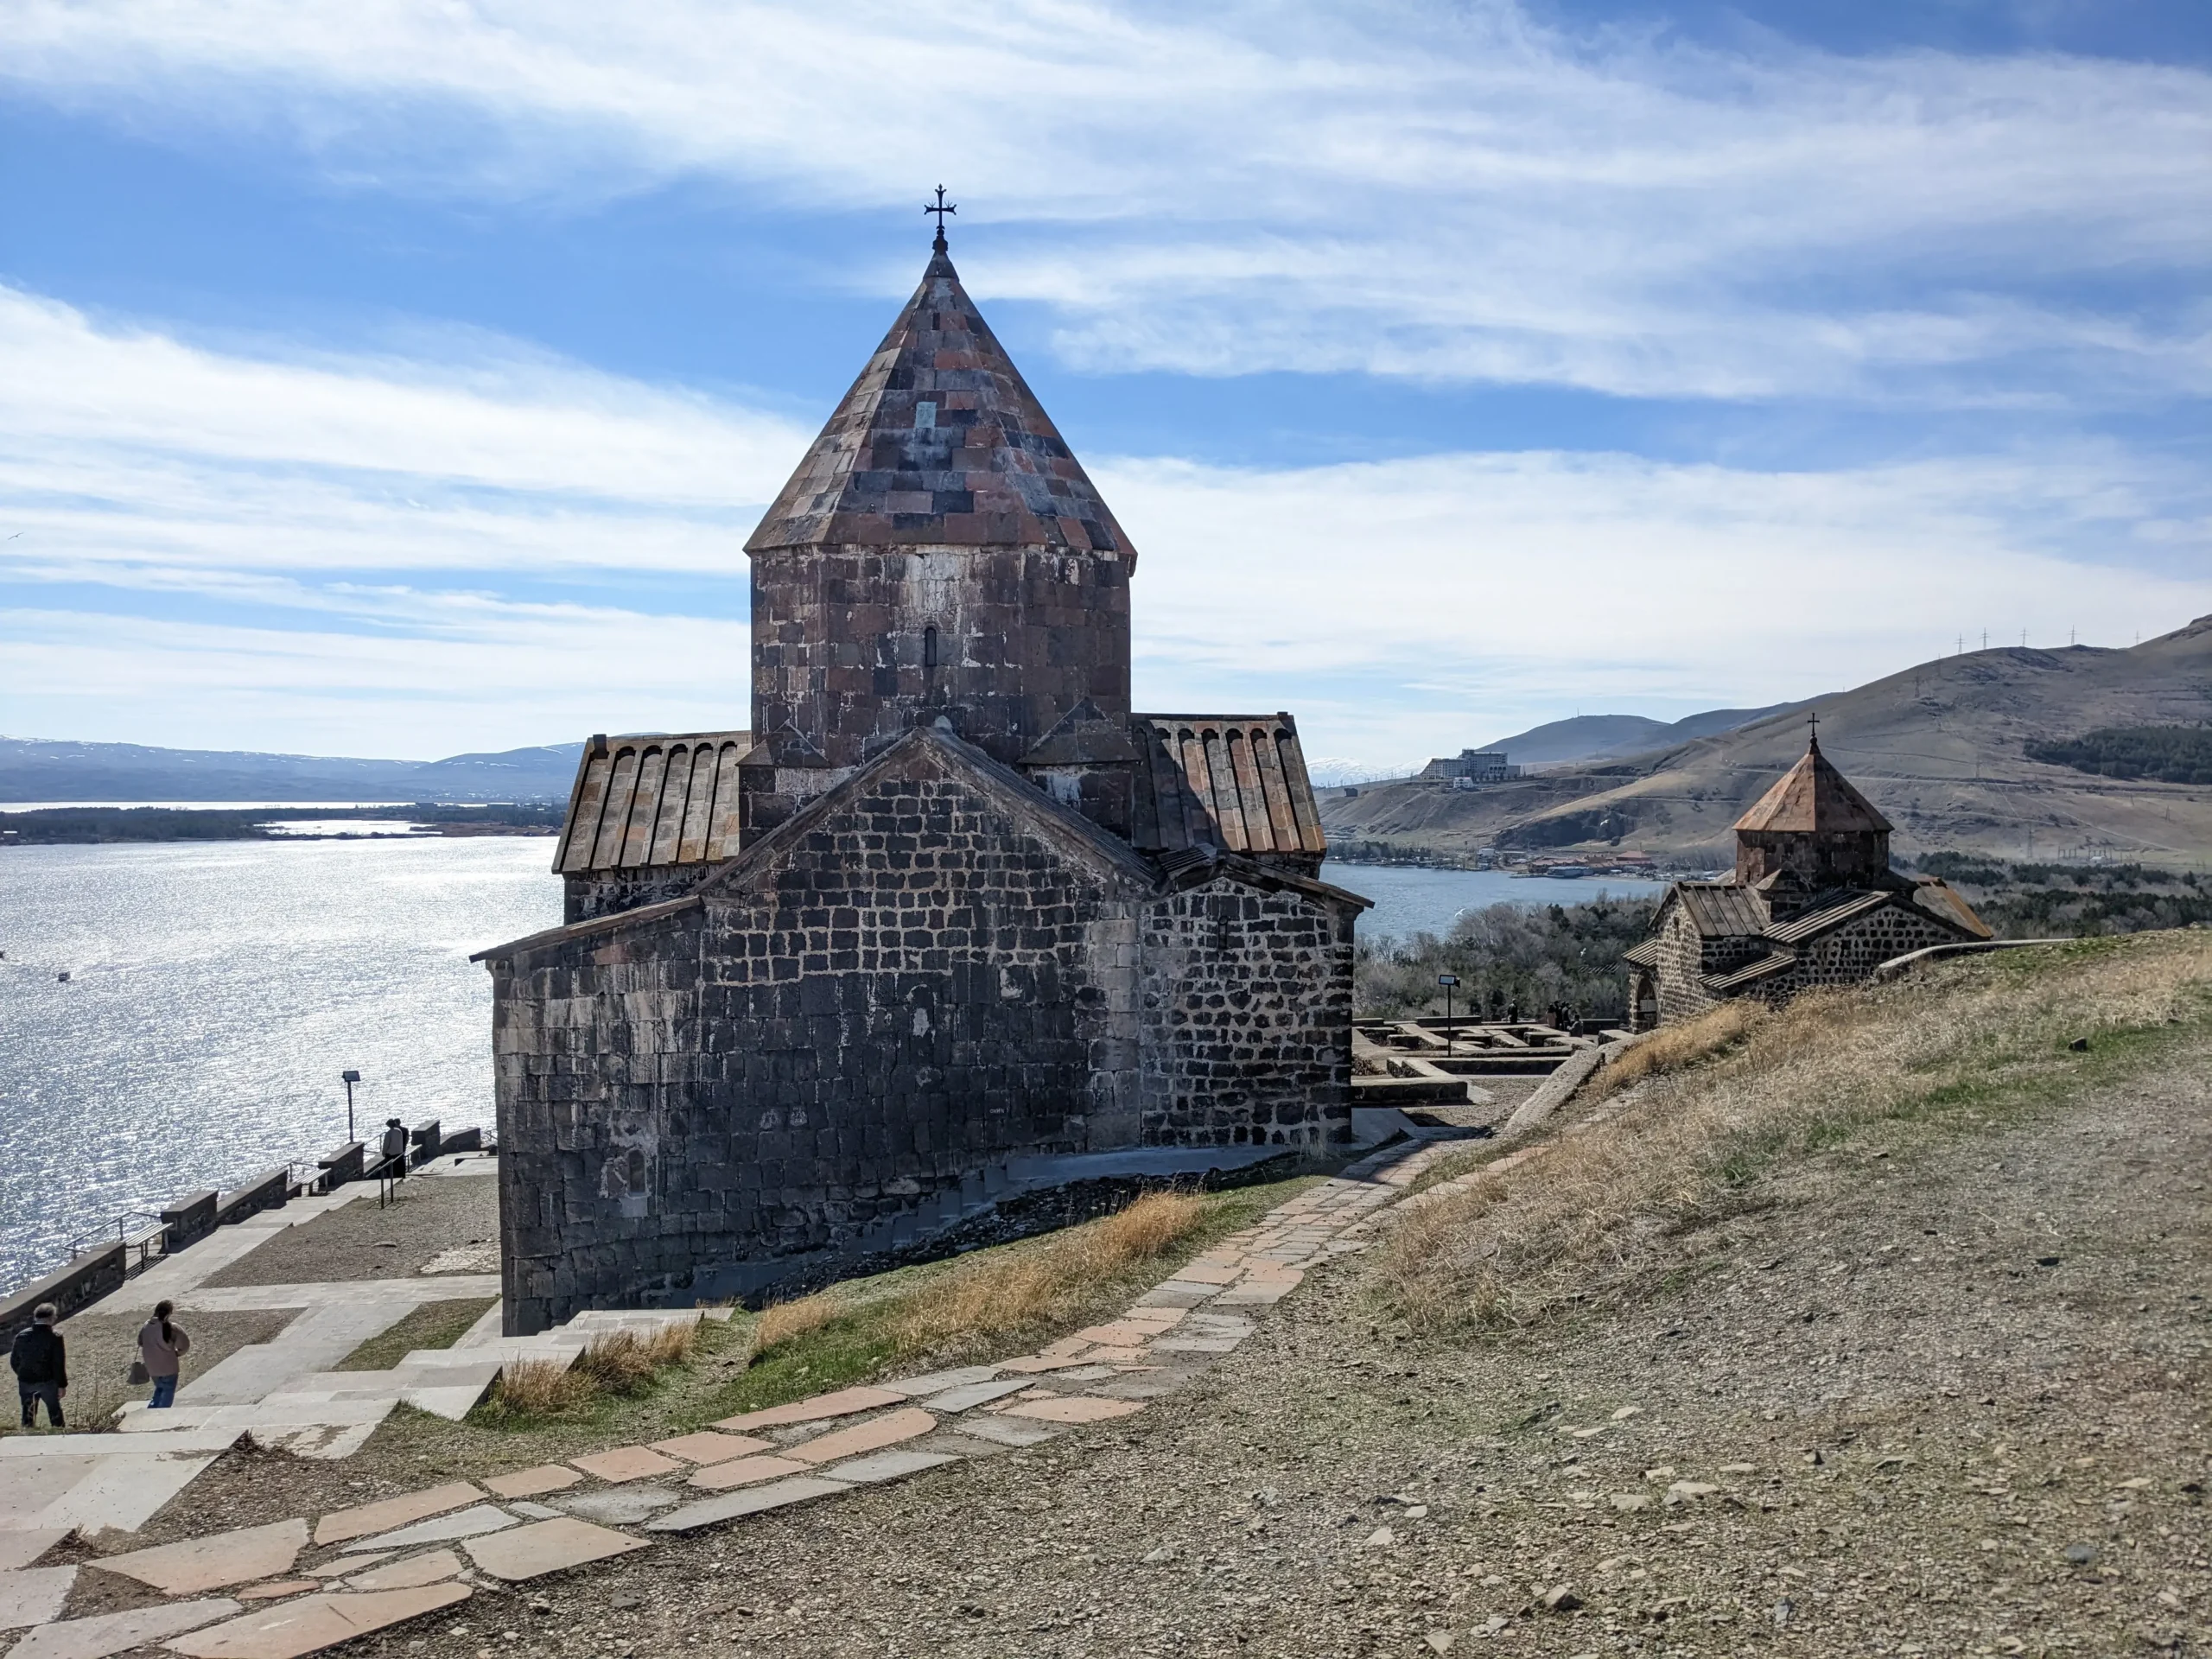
<point x="401" y="378"/>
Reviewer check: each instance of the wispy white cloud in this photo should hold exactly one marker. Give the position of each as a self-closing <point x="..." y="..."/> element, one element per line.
<point x="495" y="676"/>
<point x="1419" y="189"/>
<point x="1418" y="605"/>
<point x="498" y="415"/>
<point x="388" y="556"/>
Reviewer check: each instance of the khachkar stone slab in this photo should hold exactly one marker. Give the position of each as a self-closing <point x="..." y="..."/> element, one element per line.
<point x="217" y="1560"/>
<point x="292" y="1627"/>
<point x="547" y="1546"/>
<point x="111" y="1633"/>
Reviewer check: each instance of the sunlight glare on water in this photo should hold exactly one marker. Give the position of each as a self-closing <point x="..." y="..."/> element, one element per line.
<point x="216" y="991"/>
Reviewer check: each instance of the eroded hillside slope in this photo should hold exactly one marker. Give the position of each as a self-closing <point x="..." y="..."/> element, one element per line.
<point x="1942" y="749"/>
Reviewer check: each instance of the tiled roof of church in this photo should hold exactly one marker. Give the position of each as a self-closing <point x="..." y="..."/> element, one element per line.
<point x="653" y="800"/>
<point x="1848" y="906"/>
<point x="940" y="442"/>
<point x="1813" y="796"/>
<point x="1720" y="910"/>
<point x="1237" y="782"/>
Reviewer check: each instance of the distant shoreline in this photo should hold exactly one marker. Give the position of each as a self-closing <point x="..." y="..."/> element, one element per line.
<point x="72" y="826"/>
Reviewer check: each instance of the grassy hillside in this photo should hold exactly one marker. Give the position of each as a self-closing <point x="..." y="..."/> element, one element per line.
<point x="1946" y="749"/>
<point x="1712" y="1108"/>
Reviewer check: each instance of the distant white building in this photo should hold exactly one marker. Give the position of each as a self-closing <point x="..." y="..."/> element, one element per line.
<point x="1470" y="767"/>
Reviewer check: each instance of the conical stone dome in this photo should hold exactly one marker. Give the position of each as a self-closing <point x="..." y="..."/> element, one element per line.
<point x="1811" y="833"/>
<point x="1813" y="797"/>
<point x="938" y="557"/>
<point x="940" y="442"/>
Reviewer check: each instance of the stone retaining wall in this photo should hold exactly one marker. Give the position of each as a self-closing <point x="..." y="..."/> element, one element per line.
<point x="84" y="1281"/>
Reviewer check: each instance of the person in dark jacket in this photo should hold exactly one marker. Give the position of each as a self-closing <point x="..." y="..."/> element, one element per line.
<point x="39" y="1359"/>
<point x="394" y="1149"/>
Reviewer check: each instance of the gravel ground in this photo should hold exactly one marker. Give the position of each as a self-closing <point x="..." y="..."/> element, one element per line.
<point x="102" y="1346"/>
<point x="361" y="1241"/>
<point x="1944" y="1396"/>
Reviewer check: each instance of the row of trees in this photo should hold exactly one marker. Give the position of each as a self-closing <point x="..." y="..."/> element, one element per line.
<point x="2164" y="754"/>
<point x="1565" y="956"/>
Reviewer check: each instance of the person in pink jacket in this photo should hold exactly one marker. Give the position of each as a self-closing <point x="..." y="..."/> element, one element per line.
<point x="161" y="1346"/>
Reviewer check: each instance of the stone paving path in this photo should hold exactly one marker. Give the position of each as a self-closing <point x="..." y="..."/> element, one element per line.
<point x="297" y="1586"/>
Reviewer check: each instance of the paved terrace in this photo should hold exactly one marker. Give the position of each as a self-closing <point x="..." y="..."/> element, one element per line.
<point x="307" y="1583"/>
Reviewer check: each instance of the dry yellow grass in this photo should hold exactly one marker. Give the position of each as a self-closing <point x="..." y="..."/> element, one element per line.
<point x="621" y="1363"/>
<point x="1140" y="1232"/>
<point x="1672" y="1047"/>
<point x="544" y="1388"/>
<point x="986" y="1298"/>
<point x="625" y="1362"/>
<point x="782" y="1322"/>
<point x="1593" y="1215"/>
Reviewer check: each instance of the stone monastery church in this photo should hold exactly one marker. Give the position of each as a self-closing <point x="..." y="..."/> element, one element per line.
<point x="1815" y="902"/>
<point x="950" y="925"/>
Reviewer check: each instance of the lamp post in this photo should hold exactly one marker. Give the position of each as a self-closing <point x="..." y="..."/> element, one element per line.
<point x="349" y="1078"/>
<point x="1447" y="981"/>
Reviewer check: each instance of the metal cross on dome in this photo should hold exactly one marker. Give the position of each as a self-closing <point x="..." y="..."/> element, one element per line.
<point x="940" y="207"/>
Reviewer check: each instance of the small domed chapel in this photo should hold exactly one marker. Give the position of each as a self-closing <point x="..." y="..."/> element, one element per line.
<point x="949" y="926"/>
<point x="1813" y="902"/>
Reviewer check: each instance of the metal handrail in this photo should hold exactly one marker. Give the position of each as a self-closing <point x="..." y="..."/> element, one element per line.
<point x="84" y="1242"/>
<point x="294" y="1180"/>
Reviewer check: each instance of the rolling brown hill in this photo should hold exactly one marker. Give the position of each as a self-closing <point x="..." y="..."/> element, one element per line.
<point x="1939" y="747"/>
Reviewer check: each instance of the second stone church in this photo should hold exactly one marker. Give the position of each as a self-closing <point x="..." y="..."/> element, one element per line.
<point x="947" y="924"/>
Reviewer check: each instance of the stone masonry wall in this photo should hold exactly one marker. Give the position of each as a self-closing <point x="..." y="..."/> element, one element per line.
<point x="920" y="986"/>
<point x="852" y="646"/>
<point x="1851" y="953"/>
<point x="1246" y="1009"/>
<point x="1681" y="959"/>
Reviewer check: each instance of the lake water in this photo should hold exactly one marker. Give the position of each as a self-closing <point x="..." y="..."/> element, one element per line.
<point x="217" y="990"/>
<point x="1408" y="901"/>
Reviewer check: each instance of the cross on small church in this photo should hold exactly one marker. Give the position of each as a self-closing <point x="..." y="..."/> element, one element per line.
<point x="940" y="207"/>
<point x="1814" y="721"/>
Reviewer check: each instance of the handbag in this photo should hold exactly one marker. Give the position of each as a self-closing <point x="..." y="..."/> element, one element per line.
<point x="138" y="1373"/>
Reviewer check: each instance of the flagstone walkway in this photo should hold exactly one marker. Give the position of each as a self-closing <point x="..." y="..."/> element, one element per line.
<point x="301" y="1586"/>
